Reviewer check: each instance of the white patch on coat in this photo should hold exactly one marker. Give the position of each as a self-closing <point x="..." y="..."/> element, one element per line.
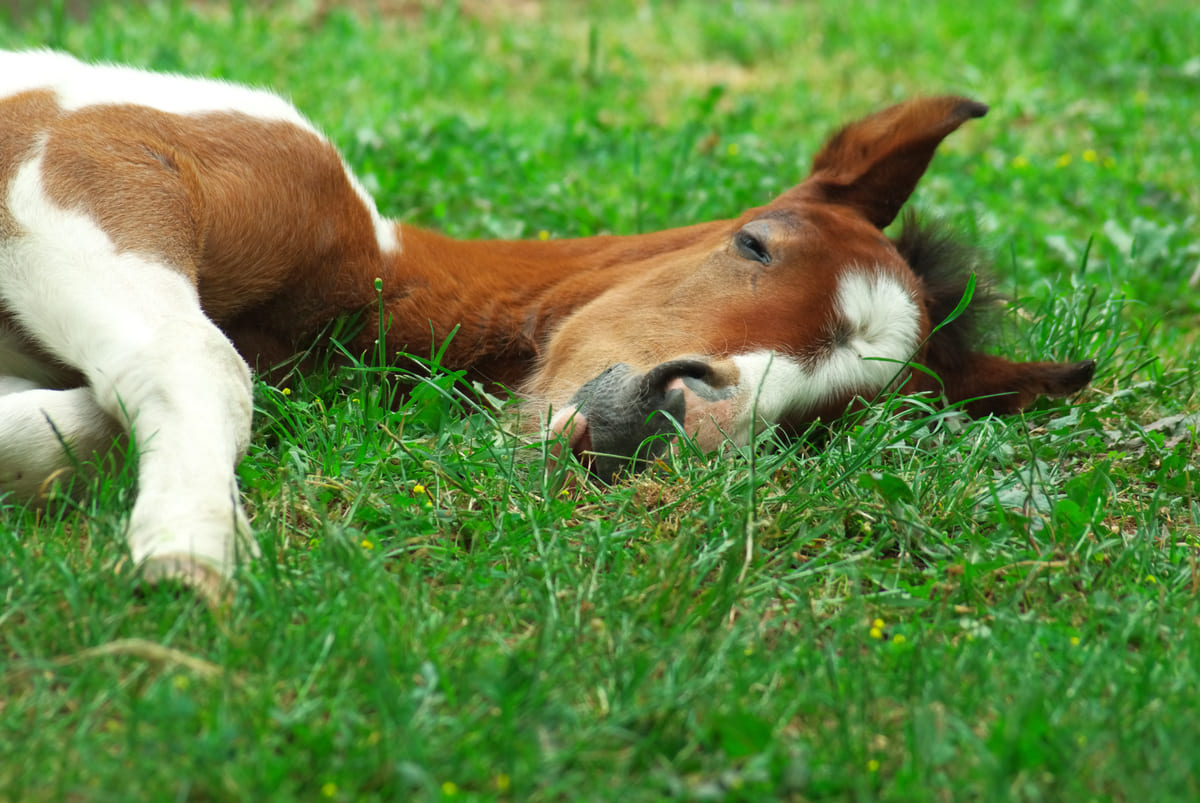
<point x="77" y="85"/>
<point x="154" y="364"/>
<point x="45" y="432"/>
<point x="882" y="324"/>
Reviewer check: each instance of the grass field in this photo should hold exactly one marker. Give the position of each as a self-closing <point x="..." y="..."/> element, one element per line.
<point x="908" y="606"/>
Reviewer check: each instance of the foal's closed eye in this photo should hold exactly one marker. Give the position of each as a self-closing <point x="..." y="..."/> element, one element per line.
<point x="750" y="246"/>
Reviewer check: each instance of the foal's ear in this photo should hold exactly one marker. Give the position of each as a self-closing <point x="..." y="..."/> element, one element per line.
<point x="873" y="165"/>
<point x="996" y="386"/>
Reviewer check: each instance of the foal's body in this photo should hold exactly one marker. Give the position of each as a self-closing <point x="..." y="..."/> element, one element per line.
<point x="161" y="234"/>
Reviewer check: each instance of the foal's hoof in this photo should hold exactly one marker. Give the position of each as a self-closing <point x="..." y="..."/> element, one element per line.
<point x="191" y="573"/>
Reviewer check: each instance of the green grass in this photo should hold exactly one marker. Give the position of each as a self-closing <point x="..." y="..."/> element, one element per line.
<point x="435" y="618"/>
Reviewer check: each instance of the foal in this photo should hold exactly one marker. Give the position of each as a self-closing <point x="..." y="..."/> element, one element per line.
<point x="160" y="235"/>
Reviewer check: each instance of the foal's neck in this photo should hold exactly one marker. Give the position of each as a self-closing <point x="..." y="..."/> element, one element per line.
<point x="498" y="301"/>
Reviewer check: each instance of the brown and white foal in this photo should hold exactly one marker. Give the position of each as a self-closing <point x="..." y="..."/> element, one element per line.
<point x="159" y="235"/>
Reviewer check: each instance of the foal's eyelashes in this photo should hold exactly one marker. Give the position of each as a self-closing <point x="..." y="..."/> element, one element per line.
<point x="750" y="246"/>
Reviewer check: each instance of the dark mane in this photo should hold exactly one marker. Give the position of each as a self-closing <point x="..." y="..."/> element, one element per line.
<point x="944" y="263"/>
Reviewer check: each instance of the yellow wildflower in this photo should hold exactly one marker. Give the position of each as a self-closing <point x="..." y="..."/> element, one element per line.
<point x="1020" y="162"/>
<point x="328" y="789"/>
<point x="449" y="789"/>
<point x="899" y="638"/>
<point x="1063" y="160"/>
<point x="503" y="782"/>
<point x="1090" y="155"/>
<point x="543" y="235"/>
<point x="872" y="766"/>
<point x="367" y="544"/>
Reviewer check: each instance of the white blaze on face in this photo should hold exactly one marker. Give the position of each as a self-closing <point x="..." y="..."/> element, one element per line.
<point x="875" y="330"/>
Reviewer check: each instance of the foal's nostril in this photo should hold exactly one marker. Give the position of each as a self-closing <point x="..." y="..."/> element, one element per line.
<point x="661" y="375"/>
<point x="669" y="378"/>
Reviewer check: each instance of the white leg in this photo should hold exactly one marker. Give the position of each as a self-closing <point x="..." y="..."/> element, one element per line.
<point x="47" y="433"/>
<point x="135" y="329"/>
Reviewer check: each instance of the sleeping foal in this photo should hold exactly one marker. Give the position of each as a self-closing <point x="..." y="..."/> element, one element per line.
<point x="160" y="235"/>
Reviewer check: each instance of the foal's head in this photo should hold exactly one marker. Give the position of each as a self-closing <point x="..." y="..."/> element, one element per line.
<point x="787" y="313"/>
